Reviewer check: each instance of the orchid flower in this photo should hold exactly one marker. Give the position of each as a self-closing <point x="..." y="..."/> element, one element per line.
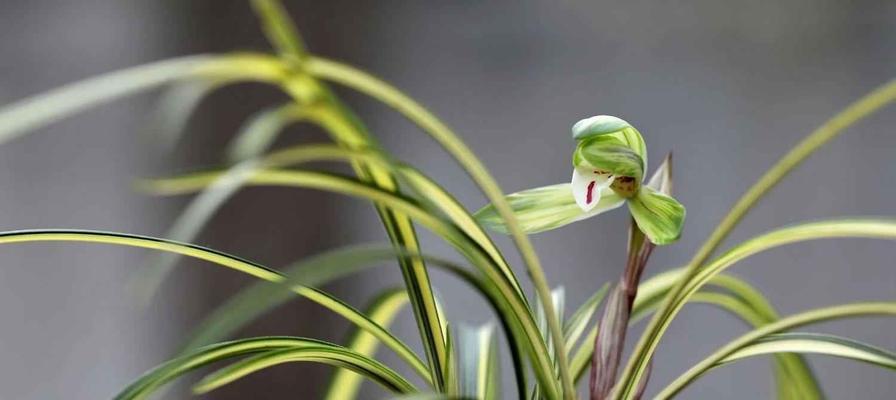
<point x="609" y="164"/>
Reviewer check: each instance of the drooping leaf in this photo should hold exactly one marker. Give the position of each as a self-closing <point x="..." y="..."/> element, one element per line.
<point x="263" y="296"/>
<point x="43" y="109"/>
<point x="745" y="302"/>
<point x="853" y="310"/>
<point x="858" y="110"/>
<point x="522" y="322"/>
<point x="347" y="130"/>
<point x="188" y="225"/>
<point x="260" y="131"/>
<point x="438" y="198"/>
<point x="175" y="107"/>
<point x="858" y="228"/>
<point x="382" y="91"/>
<point x="224" y="260"/>
<point x="814" y="343"/>
<point x="257" y="299"/>
<point x="251" y="141"/>
<point x="151" y="381"/>
<point x="330" y="354"/>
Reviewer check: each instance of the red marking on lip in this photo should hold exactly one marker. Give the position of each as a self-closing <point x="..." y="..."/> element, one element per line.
<point x="590" y="195"/>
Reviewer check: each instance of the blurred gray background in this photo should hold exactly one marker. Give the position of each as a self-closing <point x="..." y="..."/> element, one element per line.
<point x="728" y="86"/>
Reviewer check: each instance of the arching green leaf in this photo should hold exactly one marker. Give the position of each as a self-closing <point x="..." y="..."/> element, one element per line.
<point x="144" y="386"/>
<point x="522" y="320"/>
<point x="813" y="316"/>
<point x="336" y="356"/>
<point x="225" y="260"/>
<point x="814" y="343"/>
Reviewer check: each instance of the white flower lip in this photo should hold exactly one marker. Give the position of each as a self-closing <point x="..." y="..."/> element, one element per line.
<point x="587" y="185"/>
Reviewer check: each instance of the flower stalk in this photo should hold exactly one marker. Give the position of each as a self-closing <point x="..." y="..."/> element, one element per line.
<point x="610" y="341"/>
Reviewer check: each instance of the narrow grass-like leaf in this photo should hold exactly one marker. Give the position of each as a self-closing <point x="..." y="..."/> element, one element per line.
<point x="746" y="303"/>
<point x="517" y="310"/>
<point x="855" y="112"/>
<point x="336" y="356"/>
<point x="853" y="310"/>
<point x="434" y="196"/>
<point x="828" y="229"/>
<point x="438" y="198"/>
<point x="392" y="97"/>
<point x="263" y="296"/>
<point x="814" y="343"/>
<point x="43" y="109"/>
<point x="224" y="260"/>
<point x="257" y="299"/>
<point x="261" y="130"/>
<point x="188" y="225"/>
<point x="175" y="107"/>
<point x="558" y="296"/>
<point x="346" y="129"/>
<point x="345" y="384"/>
<point x="857" y="228"/>
<point x="279" y="28"/>
<point x="794" y="378"/>
<point x="144" y="386"/>
<point x="251" y="142"/>
<point x="476" y="360"/>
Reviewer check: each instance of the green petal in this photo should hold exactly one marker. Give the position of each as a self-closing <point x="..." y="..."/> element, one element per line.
<point x="606" y="155"/>
<point x="660" y="217"/>
<point x="545" y="208"/>
<point x="611" y="127"/>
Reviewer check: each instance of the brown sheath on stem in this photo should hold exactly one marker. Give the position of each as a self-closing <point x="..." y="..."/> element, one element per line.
<point x="610" y="340"/>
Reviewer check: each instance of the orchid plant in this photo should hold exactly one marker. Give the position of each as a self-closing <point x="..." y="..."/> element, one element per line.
<point x="549" y="351"/>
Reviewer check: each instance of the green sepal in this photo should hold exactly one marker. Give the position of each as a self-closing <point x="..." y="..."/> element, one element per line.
<point x="545" y="208"/>
<point x="660" y="217"/>
<point x="607" y="155"/>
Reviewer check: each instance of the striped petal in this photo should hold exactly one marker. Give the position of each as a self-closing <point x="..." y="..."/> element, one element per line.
<point x="659" y="216"/>
<point x="545" y="208"/>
